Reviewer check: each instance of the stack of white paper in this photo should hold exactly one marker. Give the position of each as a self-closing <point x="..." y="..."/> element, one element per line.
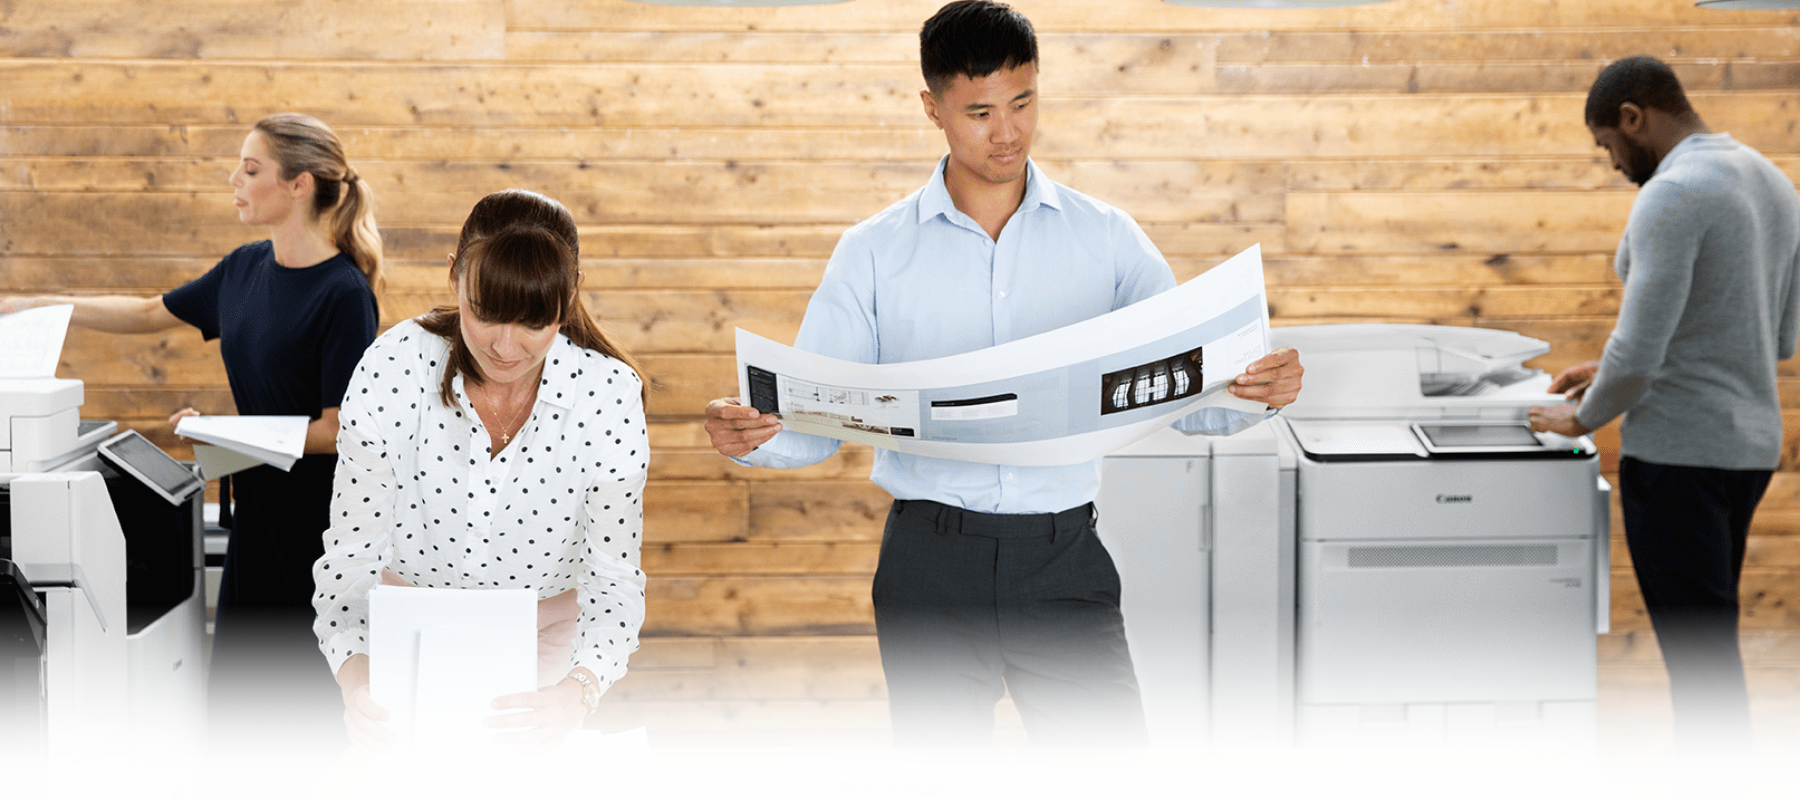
<point x="438" y="657"/>
<point x="31" y="341"/>
<point x="240" y="443"/>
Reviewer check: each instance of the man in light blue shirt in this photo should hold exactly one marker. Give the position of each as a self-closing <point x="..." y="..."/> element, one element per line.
<point x="990" y="577"/>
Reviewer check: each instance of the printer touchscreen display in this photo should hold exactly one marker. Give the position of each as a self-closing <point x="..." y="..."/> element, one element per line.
<point x="1479" y="436"/>
<point x="131" y="453"/>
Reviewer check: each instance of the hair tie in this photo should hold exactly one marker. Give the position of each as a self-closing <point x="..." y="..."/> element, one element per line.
<point x="351" y="178"/>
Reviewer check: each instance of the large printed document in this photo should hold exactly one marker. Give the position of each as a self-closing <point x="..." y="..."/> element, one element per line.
<point x="1062" y="397"/>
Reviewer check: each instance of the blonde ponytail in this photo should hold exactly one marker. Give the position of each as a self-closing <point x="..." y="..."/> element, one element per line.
<point x="342" y="200"/>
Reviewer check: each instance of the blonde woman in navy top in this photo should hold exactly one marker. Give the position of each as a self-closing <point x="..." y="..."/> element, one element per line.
<point x="293" y="314"/>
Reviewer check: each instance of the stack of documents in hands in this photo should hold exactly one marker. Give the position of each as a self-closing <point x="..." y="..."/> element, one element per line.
<point x="239" y="443"/>
<point x="438" y="657"/>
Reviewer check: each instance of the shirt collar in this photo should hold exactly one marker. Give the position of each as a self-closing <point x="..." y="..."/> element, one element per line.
<point x="935" y="201"/>
<point x="562" y="369"/>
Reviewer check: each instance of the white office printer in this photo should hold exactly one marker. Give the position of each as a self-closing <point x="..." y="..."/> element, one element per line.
<point x="1394" y="557"/>
<point x="112" y="557"/>
<point x="40" y="424"/>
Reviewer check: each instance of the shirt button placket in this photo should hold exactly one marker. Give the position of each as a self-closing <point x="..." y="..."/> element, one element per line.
<point x="481" y="506"/>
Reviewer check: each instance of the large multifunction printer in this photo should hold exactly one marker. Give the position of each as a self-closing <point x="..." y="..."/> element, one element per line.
<point x="102" y="605"/>
<point x="1396" y="557"/>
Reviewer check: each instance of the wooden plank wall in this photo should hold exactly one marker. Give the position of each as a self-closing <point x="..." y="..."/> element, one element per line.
<point x="1415" y="161"/>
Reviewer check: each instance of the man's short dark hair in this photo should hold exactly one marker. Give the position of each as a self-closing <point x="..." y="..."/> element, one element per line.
<point x="1640" y="80"/>
<point x="975" y="38"/>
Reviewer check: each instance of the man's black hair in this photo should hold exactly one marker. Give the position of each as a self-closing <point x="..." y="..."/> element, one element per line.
<point x="1640" y="80"/>
<point x="975" y="38"/>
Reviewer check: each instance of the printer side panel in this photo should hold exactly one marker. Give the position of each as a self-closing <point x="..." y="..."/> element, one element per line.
<point x="68" y="541"/>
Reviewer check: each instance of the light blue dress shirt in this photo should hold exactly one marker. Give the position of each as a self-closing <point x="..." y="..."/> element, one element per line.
<point x="923" y="280"/>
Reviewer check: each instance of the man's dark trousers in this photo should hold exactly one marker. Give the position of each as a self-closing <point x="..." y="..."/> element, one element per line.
<point x="1686" y="528"/>
<point x="969" y="605"/>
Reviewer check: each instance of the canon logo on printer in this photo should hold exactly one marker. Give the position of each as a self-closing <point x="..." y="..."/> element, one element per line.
<point x="1456" y="498"/>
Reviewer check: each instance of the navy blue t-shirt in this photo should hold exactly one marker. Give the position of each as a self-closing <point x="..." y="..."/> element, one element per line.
<point x="290" y="338"/>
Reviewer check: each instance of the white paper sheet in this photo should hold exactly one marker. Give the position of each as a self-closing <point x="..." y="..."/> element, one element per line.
<point x="437" y="657"/>
<point x="1062" y="397"/>
<point x="462" y="668"/>
<point x="31" y="341"/>
<point x="217" y="462"/>
<point x="274" y="440"/>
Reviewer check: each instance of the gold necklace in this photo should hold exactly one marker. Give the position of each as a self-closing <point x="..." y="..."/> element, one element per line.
<point x="506" y="438"/>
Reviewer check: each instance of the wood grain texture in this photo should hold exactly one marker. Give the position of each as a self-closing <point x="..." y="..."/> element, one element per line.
<point x="1053" y="15"/>
<point x="211" y="29"/>
<point x="1421" y="161"/>
<point x="754" y="605"/>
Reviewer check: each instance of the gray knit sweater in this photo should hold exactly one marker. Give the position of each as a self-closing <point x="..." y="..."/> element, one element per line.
<point x="1712" y="301"/>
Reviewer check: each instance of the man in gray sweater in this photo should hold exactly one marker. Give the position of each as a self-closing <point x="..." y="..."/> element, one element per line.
<point x="1709" y="261"/>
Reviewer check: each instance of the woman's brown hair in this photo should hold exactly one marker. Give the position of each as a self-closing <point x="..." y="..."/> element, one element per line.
<point x="518" y="261"/>
<point x="343" y="200"/>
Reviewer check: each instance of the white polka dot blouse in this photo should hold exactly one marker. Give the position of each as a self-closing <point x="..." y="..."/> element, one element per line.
<point x="419" y="492"/>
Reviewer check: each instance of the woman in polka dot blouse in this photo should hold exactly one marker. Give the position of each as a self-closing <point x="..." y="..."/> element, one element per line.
<point x="497" y="444"/>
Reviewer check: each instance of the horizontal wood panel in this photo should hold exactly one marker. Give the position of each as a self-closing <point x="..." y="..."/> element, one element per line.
<point x="1075" y="63"/>
<point x="1769" y="599"/>
<point x="160" y="225"/>
<point x="116" y="402"/>
<point x="843" y="511"/>
<point x="1148" y="56"/>
<point x="691" y="559"/>
<point x="1774" y="540"/>
<point x="424" y="93"/>
<point x="152" y="274"/>
<point x="661" y="321"/>
<point x="430" y="278"/>
<point x="1513" y="43"/>
<point x="1563" y="75"/>
<point x="1581" y="167"/>
<point x="1492" y="222"/>
<point x="749" y="605"/>
<point x="686" y="192"/>
<point x="856" y="140"/>
<point x="717" y="512"/>
<point x="851" y="462"/>
<point x="1080" y="15"/>
<point x="681" y="322"/>
<point x="684" y="384"/>
<point x="1696" y="52"/>
<point x="204" y="224"/>
<point x="1434" y="269"/>
<point x="1767" y="648"/>
<point x="1371" y="126"/>
<point x="821" y="603"/>
<point x="1573" y="172"/>
<point x="302" y="29"/>
<point x="680" y="385"/>
<point x="694" y="511"/>
<point x="1196" y="126"/>
<point x="413" y="193"/>
<point x="1493" y="301"/>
